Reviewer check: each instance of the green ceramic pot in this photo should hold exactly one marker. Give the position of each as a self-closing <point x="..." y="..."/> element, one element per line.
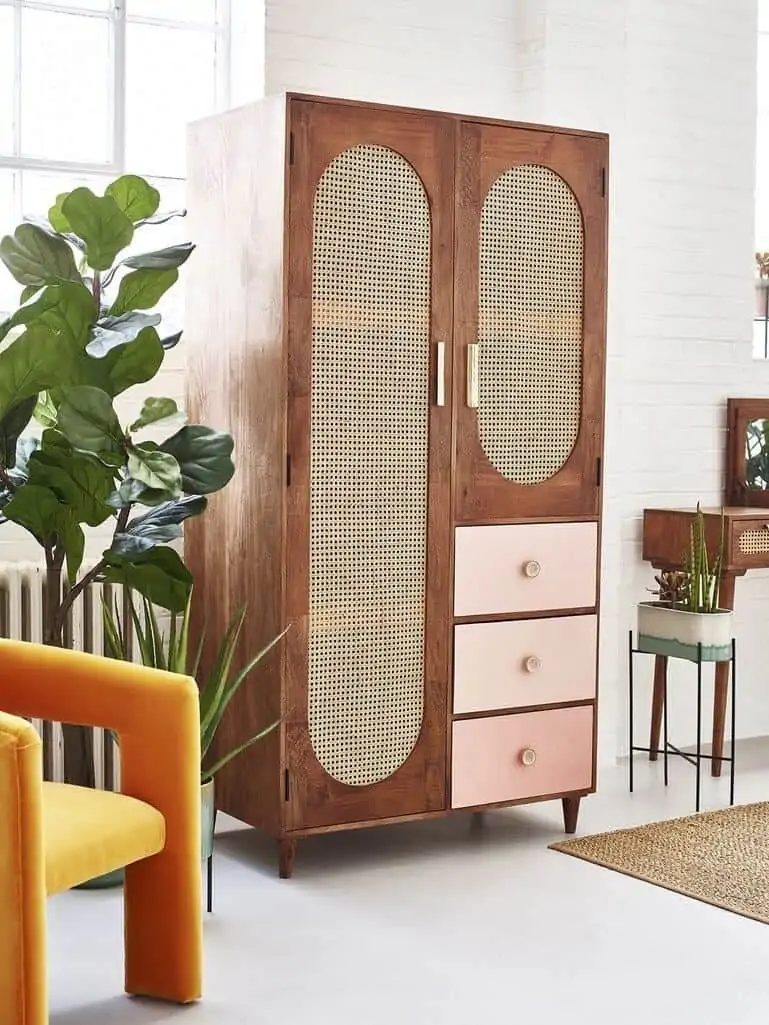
<point x="207" y="820"/>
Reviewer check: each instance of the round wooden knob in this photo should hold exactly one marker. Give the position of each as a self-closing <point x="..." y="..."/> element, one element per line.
<point x="528" y="756"/>
<point x="532" y="568"/>
<point x="533" y="664"/>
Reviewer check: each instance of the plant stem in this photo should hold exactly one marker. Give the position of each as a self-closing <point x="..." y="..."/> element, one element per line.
<point x="77" y="589"/>
<point x="97" y="291"/>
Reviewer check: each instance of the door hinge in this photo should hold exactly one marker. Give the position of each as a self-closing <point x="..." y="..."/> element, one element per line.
<point x="598" y="472"/>
<point x="603" y="181"/>
<point x="290" y="149"/>
<point x="285" y="785"/>
<point x="288" y="470"/>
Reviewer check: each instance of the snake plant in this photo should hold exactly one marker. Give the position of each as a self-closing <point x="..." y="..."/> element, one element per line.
<point x="704" y="578"/>
<point x="171" y="651"/>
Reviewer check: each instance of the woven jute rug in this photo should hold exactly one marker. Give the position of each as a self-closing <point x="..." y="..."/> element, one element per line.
<point x="719" y="857"/>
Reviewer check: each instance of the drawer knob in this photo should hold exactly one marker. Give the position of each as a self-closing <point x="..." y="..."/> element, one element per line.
<point x="532" y="568"/>
<point x="533" y="664"/>
<point x="528" y="756"/>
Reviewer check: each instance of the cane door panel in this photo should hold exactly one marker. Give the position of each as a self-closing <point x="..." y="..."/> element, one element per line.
<point x="530" y="298"/>
<point x="370" y="321"/>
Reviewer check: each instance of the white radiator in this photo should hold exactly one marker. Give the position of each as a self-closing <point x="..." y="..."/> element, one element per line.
<point x="21" y="618"/>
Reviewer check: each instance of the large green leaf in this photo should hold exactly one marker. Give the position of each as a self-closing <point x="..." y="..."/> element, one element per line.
<point x="168" y="513"/>
<point x="72" y="536"/>
<point x="110" y="332"/>
<point x="142" y="289"/>
<point x="153" y="411"/>
<point x="35" y="258"/>
<point x="204" y="456"/>
<point x="135" y="197"/>
<point x="159" y="575"/>
<point x="129" y="544"/>
<point x="35" y="508"/>
<point x="11" y="426"/>
<point x="89" y="422"/>
<point x="100" y="223"/>
<point x="66" y="308"/>
<point x="134" y="363"/>
<point x="27" y="366"/>
<point x="155" y="468"/>
<point x="161" y="259"/>
<point x="79" y="481"/>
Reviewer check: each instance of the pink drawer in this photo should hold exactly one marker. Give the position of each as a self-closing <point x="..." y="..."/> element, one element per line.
<point x="526" y="567"/>
<point x="512" y="757"/>
<point x="529" y="662"/>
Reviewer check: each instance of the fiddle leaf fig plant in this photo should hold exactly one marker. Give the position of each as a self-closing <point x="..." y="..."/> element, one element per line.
<point x="87" y="330"/>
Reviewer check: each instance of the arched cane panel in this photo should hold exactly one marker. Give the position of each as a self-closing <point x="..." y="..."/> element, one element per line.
<point x="530" y="323"/>
<point x="368" y="456"/>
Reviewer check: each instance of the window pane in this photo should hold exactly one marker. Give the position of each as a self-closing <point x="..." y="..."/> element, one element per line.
<point x="6" y="79"/>
<point x="9" y="289"/>
<point x="173" y="10"/>
<point x="39" y="189"/>
<point x="65" y="86"/>
<point x="170" y="81"/>
<point x="86" y="5"/>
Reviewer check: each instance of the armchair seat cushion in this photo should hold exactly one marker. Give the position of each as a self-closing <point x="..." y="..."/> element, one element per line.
<point x="90" y="832"/>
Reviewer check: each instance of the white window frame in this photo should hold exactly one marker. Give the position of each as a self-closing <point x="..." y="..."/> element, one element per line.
<point x="118" y="14"/>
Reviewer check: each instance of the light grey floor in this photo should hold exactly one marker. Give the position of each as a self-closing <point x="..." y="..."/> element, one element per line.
<point x="441" y="923"/>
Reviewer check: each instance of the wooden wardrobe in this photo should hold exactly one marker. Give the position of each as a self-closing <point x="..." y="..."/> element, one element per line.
<point x="400" y="316"/>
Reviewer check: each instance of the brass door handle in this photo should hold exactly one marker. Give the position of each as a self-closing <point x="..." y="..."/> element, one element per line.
<point x="472" y="375"/>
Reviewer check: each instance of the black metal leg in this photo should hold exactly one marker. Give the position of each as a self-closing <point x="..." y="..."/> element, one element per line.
<point x="699" y="723"/>
<point x="210" y="876"/>
<point x="734" y="706"/>
<point x="665" y="730"/>
<point x="630" y="715"/>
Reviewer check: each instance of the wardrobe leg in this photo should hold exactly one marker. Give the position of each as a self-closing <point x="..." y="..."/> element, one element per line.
<point x="570" y="813"/>
<point x="286" y="852"/>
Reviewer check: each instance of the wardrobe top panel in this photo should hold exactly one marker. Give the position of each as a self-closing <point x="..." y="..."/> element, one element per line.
<point x="476" y="119"/>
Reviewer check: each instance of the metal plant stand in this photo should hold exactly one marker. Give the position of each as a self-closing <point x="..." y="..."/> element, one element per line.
<point x="670" y="749"/>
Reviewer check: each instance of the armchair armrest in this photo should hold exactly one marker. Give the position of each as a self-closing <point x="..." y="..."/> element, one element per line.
<point x="156" y="715"/>
<point x="22" y="871"/>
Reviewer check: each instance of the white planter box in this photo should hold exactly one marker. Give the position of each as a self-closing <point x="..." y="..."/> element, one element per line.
<point x="665" y="629"/>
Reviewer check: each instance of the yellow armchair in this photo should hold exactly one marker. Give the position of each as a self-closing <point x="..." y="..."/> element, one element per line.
<point x="54" y="836"/>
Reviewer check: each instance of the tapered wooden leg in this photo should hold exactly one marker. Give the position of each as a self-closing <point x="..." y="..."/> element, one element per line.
<point x="286" y="852"/>
<point x="658" y="705"/>
<point x="570" y="813"/>
<point x="721" y="691"/>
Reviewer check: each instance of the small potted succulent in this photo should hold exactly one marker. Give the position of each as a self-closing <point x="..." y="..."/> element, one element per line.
<point x="686" y="618"/>
<point x="762" y="286"/>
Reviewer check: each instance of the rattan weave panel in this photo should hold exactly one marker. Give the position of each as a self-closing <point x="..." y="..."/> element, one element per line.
<point x="368" y="463"/>
<point x="530" y="323"/>
<point x="754" y="542"/>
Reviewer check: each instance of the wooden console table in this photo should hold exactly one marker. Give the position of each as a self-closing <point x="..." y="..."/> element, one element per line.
<point x="746" y="547"/>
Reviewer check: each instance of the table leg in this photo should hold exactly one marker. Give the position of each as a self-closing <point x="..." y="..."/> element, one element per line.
<point x="658" y="703"/>
<point x="721" y="692"/>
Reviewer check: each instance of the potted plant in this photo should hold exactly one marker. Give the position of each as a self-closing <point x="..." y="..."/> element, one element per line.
<point x="687" y="620"/>
<point x="85" y="332"/>
<point x="762" y="286"/>
<point x="170" y="650"/>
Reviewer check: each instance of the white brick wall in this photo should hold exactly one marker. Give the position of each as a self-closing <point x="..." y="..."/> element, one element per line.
<point x="674" y="84"/>
<point x="673" y="81"/>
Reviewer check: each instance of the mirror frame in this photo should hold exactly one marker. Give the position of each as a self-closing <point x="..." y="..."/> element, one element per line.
<point x="739" y="413"/>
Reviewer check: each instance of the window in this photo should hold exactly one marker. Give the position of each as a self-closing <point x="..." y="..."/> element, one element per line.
<point x="92" y="88"/>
